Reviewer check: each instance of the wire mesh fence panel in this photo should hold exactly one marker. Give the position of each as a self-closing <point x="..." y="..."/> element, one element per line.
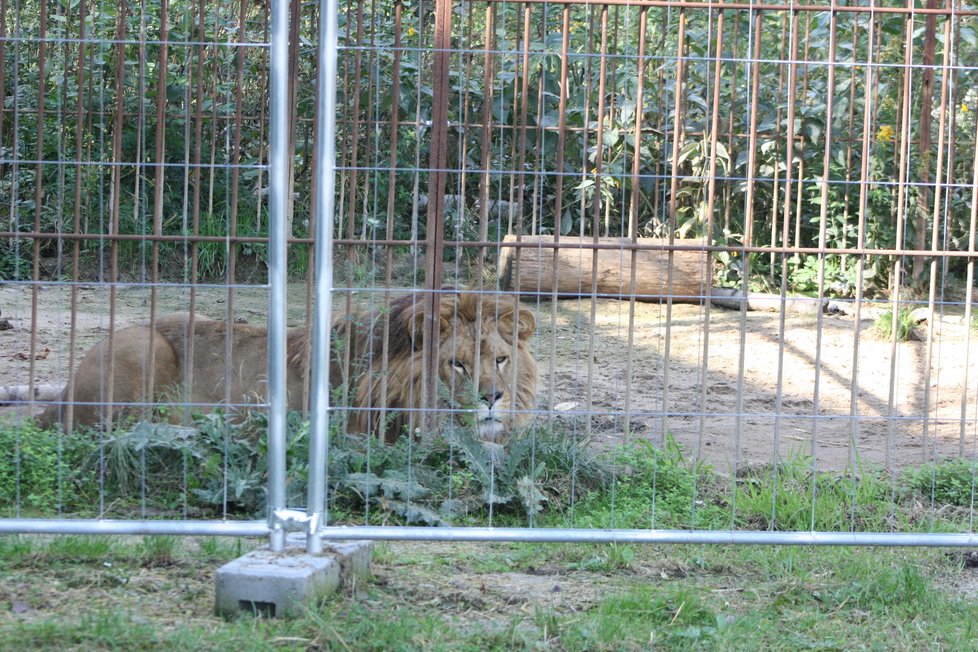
<point x="134" y="240"/>
<point x="641" y="265"/>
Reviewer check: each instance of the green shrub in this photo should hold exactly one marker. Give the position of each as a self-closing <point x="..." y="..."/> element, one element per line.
<point x="40" y="469"/>
<point x="906" y="322"/>
<point x="950" y="482"/>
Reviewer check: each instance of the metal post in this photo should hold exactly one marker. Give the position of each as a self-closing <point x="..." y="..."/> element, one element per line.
<point x="322" y="317"/>
<point x="278" y="215"/>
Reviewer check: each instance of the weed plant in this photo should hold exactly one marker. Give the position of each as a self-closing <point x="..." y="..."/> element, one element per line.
<point x="545" y="477"/>
<point x="904" y="327"/>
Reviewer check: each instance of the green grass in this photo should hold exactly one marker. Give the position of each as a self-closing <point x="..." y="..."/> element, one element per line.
<point x="156" y="593"/>
<point x="101" y="593"/>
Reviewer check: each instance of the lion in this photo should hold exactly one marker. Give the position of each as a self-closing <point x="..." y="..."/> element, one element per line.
<point x="491" y="388"/>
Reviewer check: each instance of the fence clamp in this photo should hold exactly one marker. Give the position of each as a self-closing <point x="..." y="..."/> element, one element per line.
<point x="295" y="520"/>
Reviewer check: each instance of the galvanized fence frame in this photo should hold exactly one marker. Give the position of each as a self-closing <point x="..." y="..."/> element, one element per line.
<point x="436" y="241"/>
<point x="279" y="519"/>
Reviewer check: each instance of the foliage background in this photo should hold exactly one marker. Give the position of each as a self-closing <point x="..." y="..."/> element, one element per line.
<point x="116" y="121"/>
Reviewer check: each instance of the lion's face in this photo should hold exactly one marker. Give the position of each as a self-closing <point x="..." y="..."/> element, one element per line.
<point x="485" y="364"/>
<point x="488" y="374"/>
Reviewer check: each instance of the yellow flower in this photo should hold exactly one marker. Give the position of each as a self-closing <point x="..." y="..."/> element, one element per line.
<point x="410" y="31"/>
<point x="964" y="108"/>
<point x="885" y="134"/>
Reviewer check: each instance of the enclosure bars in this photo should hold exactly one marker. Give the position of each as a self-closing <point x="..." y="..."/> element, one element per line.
<point x="278" y="164"/>
<point x="322" y="317"/>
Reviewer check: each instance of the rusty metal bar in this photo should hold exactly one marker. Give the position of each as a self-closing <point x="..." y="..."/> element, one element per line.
<point x="435" y="228"/>
<point x="711" y="193"/>
<point x="627" y="246"/>
<point x="633" y="209"/>
<point x="158" y="180"/>
<point x="793" y="28"/>
<point x="558" y="206"/>
<point x="38" y="192"/>
<point x="755" y="37"/>
<point x="897" y="276"/>
<point x="68" y="415"/>
<point x="741" y="6"/>
<point x="116" y="199"/>
<point x="596" y="214"/>
<point x="936" y="216"/>
<point x="678" y="134"/>
<point x="822" y="225"/>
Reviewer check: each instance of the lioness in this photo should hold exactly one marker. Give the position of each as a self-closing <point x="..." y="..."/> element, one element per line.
<point x="499" y="399"/>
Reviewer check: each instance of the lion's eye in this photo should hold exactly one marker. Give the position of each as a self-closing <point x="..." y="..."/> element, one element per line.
<point x="459" y="366"/>
<point x="501" y="361"/>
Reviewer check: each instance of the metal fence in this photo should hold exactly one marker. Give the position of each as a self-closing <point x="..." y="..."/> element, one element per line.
<point x="743" y="231"/>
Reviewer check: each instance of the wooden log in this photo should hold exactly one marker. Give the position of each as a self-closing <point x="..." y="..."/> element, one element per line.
<point x="573" y="272"/>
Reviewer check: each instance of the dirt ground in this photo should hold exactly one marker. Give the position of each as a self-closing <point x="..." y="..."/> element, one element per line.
<point x="648" y="384"/>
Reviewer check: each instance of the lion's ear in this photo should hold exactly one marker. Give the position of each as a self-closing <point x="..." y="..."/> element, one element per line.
<point x="526" y="324"/>
<point x="416" y="323"/>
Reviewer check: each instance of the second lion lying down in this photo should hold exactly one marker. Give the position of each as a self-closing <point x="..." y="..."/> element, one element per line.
<point x="496" y="384"/>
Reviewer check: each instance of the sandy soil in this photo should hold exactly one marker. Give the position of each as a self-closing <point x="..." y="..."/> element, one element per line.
<point x="646" y="385"/>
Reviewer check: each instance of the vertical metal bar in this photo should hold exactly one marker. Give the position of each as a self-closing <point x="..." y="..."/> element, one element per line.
<point x="322" y="317"/>
<point x="485" y="139"/>
<point x="435" y="236"/>
<point x="3" y="60"/>
<point x="843" y="240"/>
<point x="935" y="228"/>
<point x="596" y="216"/>
<point x="754" y="37"/>
<point x="370" y="125"/>
<point x="789" y="138"/>
<point x="678" y="136"/>
<point x="785" y="234"/>
<point x="897" y="278"/>
<point x="735" y="58"/>
<point x="799" y="195"/>
<point x="558" y="209"/>
<point x="391" y="196"/>
<point x="863" y="218"/>
<point x="822" y="220"/>
<point x="116" y="199"/>
<point x="233" y="213"/>
<point x="158" y="179"/>
<point x="38" y="194"/>
<point x="633" y="210"/>
<point x="278" y="218"/>
<point x="926" y="91"/>
<point x="68" y="410"/>
<point x="711" y="195"/>
<point x="969" y="292"/>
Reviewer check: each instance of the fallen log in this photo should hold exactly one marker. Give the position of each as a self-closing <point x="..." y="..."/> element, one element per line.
<point x="23" y="394"/>
<point x="580" y="268"/>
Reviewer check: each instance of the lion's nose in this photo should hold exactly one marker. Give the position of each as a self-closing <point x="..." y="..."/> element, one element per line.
<point x="491" y="398"/>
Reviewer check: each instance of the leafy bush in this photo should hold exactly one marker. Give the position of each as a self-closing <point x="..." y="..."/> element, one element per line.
<point x="951" y="482"/>
<point x="461" y="477"/>
<point x="39" y="468"/>
<point x="223" y="465"/>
